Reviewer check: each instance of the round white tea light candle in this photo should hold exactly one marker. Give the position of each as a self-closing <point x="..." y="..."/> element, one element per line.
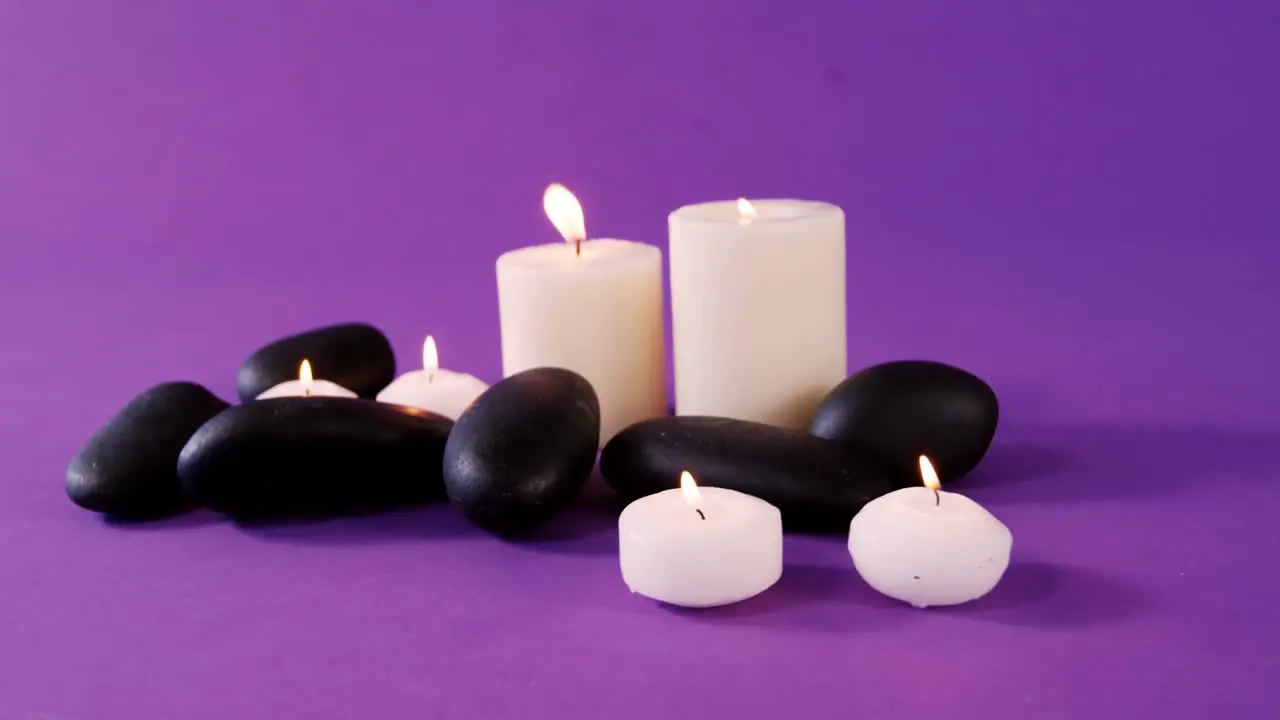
<point x="927" y="547"/>
<point x="442" y="392"/>
<point x="590" y="306"/>
<point x="305" y="386"/>
<point x="700" y="547"/>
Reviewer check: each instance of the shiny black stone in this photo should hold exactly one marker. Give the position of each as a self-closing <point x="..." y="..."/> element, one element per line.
<point x="354" y="355"/>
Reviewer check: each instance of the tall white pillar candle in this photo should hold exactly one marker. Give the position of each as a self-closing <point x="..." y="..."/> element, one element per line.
<point x="758" y="308"/>
<point x="700" y="547"/>
<point x="591" y="306"/>
<point x="927" y="547"/>
<point x="305" y="386"/>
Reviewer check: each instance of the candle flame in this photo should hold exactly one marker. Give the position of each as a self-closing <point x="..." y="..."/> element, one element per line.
<point x="305" y="377"/>
<point x="689" y="489"/>
<point x="746" y="211"/>
<point x="430" y="356"/>
<point x="929" y="475"/>
<point x="565" y="212"/>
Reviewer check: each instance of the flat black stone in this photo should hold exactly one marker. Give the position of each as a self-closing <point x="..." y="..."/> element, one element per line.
<point x="314" y="457"/>
<point x="523" y="450"/>
<point x="354" y="355"/>
<point x="129" y="467"/>
<point x="902" y="410"/>
<point x="818" y="485"/>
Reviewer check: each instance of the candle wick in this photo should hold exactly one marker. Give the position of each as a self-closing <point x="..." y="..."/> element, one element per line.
<point x="937" y="499"/>
<point x="704" y="517"/>
<point x="577" y="247"/>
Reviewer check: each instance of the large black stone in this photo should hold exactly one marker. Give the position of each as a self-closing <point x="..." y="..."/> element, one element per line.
<point x="818" y="485"/>
<point x="129" y="468"/>
<point x="354" y="355"/>
<point x="301" y="456"/>
<point x="523" y="450"/>
<point x="902" y="410"/>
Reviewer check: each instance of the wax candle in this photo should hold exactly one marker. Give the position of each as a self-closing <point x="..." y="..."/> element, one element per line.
<point x="591" y="306"/>
<point x="758" y="308"/>
<point x="305" y="386"/>
<point x="928" y="547"/>
<point x="700" y="547"/>
<point x="442" y="392"/>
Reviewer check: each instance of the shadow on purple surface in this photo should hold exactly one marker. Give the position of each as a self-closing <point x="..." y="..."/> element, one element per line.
<point x="191" y="519"/>
<point x="431" y="522"/>
<point x="1091" y="463"/>
<point x="835" y="599"/>
<point x="1046" y="595"/>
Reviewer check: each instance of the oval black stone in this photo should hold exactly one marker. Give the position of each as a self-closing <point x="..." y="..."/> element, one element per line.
<point x="818" y="485"/>
<point x="523" y="450"/>
<point x="129" y="467"/>
<point x="314" y="456"/>
<point x="353" y="355"/>
<point x="902" y="410"/>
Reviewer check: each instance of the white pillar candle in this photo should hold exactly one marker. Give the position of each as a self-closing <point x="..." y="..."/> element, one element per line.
<point x="594" y="307"/>
<point x="700" y="547"/>
<point x="305" y="386"/>
<point x="758" y="308"/>
<point x="927" y="547"/>
<point x="442" y="392"/>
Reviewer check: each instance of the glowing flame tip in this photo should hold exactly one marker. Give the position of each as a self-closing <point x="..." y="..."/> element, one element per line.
<point x="565" y="212"/>
<point x="929" y="475"/>
<point x="689" y="488"/>
<point x="430" y="356"/>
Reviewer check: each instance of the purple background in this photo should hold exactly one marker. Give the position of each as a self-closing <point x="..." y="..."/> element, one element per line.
<point x="1075" y="199"/>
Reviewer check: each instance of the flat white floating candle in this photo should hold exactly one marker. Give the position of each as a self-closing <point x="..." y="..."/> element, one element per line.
<point x="442" y="392"/>
<point x="591" y="306"/>
<point x="927" y="547"/>
<point x="305" y="386"/>
<point x="700" y="547"/>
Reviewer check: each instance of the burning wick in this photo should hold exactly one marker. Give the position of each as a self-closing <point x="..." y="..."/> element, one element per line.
<point x="305" y="377"/>
<point x="692" y="497"/>
<point x="565" y="212"/>
<point x="931" y="479"/>
<point x="430" y="358"/>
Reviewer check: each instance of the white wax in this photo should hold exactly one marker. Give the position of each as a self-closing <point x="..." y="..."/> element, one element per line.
<point x="669" y="553"/>
<point x="439" y="391"/>
<point x="758" y="309"/>
<point x="598" y="314"/>
<point x="296" y="388"/>
<point x="929" y="550"/>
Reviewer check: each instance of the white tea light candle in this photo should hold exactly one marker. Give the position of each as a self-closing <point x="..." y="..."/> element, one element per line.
<point x="591" y="306"/>
<point x="700" y="547"/>
<point x="305" y="386"/>
<point x="758" y="308"/>
<point x="442" y="392"/>
<point x="927" y="547"/>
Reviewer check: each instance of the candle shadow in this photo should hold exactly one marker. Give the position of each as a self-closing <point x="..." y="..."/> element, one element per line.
<point x="814" y="598"/>
<point x="194" y="518"/>
<point x="1110" y="463"/>
<point x="438" y="521"/>
<point x="1048" y="595"/>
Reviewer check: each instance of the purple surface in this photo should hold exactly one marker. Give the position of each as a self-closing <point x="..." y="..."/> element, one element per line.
<point x="1075" y="199"/>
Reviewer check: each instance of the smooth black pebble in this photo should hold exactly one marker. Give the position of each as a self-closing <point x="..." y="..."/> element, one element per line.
<point x="902" y="410"/>
<point x="523" y="450"/>
<point x="353" y="355"/>
<point x="818" y="485"/>
<point x="314" y="456"/>
<point x="129" y="468"/>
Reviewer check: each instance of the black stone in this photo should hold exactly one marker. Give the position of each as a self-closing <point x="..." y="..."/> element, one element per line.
<point x="523" y="450"/>
<point x="314" y="456"/>
<point x="902" y="410"/>
<point x="129" y="468"/>
<point x="354" y="355"/>
<point x="818" y="485"/>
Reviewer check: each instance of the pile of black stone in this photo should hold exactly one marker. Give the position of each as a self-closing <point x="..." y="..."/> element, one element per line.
<point x="519" y="455"/>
